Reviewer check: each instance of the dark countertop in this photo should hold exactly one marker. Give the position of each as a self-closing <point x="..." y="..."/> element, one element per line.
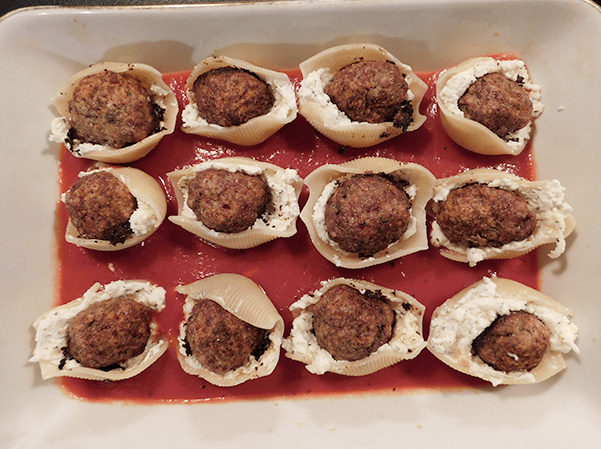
<point x="10" y="5"/>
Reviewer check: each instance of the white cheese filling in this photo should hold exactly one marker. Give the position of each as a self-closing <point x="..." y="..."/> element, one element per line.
<point x="143" y="220"/>
<point x="455" y="328"/>
<point x="283" y="208"/>
<point x="546" y="201"/>
<point x="514" y="69"/>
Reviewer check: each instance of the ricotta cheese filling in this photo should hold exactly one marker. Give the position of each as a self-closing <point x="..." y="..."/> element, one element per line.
<point x="319" y="219"/>
<point x="455" y="328"/>
<point x="283" y="208"/>
<point x="514" y="70"/>
<point x="51" y="328"/>
<point x="546" y="200"/>
<point x="312" y="90"/>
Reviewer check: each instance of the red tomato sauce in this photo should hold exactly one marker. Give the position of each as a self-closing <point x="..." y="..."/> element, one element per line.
<point x="286" y="268"/>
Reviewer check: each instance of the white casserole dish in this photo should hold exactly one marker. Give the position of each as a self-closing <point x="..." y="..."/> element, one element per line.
<point x="43" y="47"/>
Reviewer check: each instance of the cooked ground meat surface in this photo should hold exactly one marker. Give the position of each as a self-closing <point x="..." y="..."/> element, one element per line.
<point x="227" y="202"/>
<point x="477" y="215"/>
<point x="221" y="341"/>
<point x="500" y="104"/>
<point x="113" y="109"/>
<point x="99" y="206"/>
<point x="373" y="92"/>
<point x="229" y="96"/>
<point x="109" y="332"/>
<point x="350" y="325"/>
<point x="514" y="342"/>
<point x="366" y="213"/>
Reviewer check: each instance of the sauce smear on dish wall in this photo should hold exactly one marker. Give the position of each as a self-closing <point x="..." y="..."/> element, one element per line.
<point x="285" y="268"/>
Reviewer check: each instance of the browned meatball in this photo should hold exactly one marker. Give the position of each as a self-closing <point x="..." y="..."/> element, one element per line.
<point x="113" y="109"/>
<point x="477" y="215"/>
<point x="99" y="206"/>
<point x="229" y="96"/>
<point x="366" y="213"/>
<point x="500" y="104"/>
<point x="514" y="342"/>
<point x="373" y="92"/>
<point x="221" y="341"/>
<point x="350" y="325"/>
<point x="109" y="332"/>
<point x="227" y="202"/>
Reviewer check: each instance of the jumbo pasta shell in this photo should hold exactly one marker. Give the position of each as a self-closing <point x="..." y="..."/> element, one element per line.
<point x="162" y="96"/>
<point x="246" y="300"/>
<point x="279" y="220"/>
<point x="555" y="221"/>
<point x="325" y="116"/>
<point x="257" y="129"/>
<point x="51" y="333"/>
<point x="421" y="182"/>
<point x="152" y="207"/>
<point x="406" y="342"/>
<point x="463" y="317"/>
<point x="470" y="134"/>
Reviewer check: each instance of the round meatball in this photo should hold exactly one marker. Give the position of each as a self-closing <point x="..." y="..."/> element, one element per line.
<point x="366" y="213"/>
<point x="113" y="109"/>
<point x="99" y="206"/>
<point x="109" y="332"/>
<point x="350" y="325"/>
<point x="514" y="342"/>
<point x="477" y="215"/>
<point x="498" y="103"/>
<point x="227" y="202"/>
<point x="221" y="341"/>
<point x="229" y="96"/>
<point x="373" y="92"/>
